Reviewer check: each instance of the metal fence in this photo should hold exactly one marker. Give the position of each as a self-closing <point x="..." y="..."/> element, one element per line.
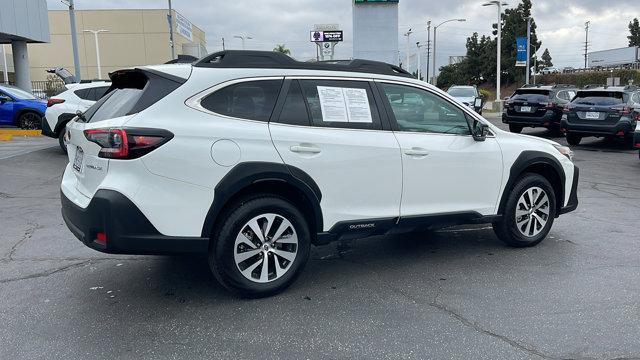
<point x="44" y="89"/>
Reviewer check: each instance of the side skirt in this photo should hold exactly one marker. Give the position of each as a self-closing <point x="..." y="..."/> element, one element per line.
<point x="358" y="229"/>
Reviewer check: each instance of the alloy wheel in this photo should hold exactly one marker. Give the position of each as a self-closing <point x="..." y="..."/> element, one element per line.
<point x="532" y="211"/>
<point x="265" y="248"/>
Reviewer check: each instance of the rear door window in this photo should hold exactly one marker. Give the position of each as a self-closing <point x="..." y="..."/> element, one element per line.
<point x="531" y="95"/>
<point x="251" y="100"/>
<point x="600" y="98"/>
<point x="99" y="92"/>
<point x="82" y="94"/>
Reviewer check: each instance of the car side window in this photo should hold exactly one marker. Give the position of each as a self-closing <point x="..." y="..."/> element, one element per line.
<point x="99" y="92"/>
<point x="341" y="104"/>
<point x="418" y="110"/>
<point x="563" y="95"/>
<point x="294" y="111"/>
<point x="82" y="94"/>
<point x="251" y="100"/>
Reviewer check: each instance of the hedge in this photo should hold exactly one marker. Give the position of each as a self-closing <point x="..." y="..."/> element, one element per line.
<point x="593" y="77"/>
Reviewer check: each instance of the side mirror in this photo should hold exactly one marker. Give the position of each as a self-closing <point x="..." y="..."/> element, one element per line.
<point x="4" y="99"/>
<point x="478" y="103"/>
<point x="479" y="130"/>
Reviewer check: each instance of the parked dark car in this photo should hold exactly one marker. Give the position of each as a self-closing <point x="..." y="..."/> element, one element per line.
<point x="608" y="111"/>
<point x="537" y="106"/>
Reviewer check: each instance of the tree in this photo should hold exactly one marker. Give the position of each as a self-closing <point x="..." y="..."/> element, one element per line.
<point x="634" y="29"/>
<point x="282" y="48"/>
<point x="546" y="59"/>
<point x="514" y="26"/>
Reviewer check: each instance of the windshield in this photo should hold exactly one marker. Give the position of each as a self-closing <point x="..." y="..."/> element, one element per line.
<point x="531" y="95"/>
<point x="18" y="93"/>
<point x="599" y="98"/>
<point x="462" y="92"/>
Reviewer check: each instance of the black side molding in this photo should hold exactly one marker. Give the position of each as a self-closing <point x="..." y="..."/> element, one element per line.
<point x="246" y="174"/>
<point x="573" y="197"/>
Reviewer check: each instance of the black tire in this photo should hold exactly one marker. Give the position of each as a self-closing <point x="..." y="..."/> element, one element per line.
<point x="507" y="230"/>
<point x="63" y="146"/>
<point x="573" y="139"/>
<point x="515" y="128"/>
<point x="29" y="120"/>
<point x="221" y="250"/>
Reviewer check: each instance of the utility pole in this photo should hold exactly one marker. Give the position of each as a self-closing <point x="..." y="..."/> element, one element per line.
<point x="586" y="42"/>
<point x="528" y="70"/>
<point x="419" y="59"/>
<point x="170" y="20"/>
<point x="408" y="36"/>
<point x="499" y="4"/>
<point x="223" y="48"/>
<point x="5" y="71"/>
<point x="95" y="38"/>
<point x="74" y="38"/>
<point x="428" y="48"/>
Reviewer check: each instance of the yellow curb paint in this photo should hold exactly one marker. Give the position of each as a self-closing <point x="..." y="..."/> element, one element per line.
<point x="4" y="137"/>
<point x="20" y="132"/>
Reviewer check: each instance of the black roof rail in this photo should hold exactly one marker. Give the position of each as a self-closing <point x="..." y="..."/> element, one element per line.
<point x="632" y="87"/>
<point x="272" y="59"/>
<point x="593" y="86"/>
<point x="525" y="86"/>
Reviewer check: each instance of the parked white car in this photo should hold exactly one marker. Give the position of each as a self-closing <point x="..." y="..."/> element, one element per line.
<point x="251" y="157"/>
<point x="64" y="106"/>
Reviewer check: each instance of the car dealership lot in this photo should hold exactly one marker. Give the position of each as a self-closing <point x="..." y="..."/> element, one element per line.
<point x="456" y="293"/>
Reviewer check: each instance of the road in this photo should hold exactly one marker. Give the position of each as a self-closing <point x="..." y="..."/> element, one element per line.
<point x="458" y="293"/>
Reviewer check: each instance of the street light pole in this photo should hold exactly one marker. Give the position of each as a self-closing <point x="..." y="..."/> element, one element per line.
<point x="95" y="38"/>
<point x="499" y="4"/>
<point x="243" y="37"/>
<point x="74" y="38"/>
<point x="435" y="34"/>
<point x="170" y="20"/>
<point x="408" y="36"/>
<point x="428" y="48"/>
<point x="419" y="46"/>
<point x="528" y="70"/>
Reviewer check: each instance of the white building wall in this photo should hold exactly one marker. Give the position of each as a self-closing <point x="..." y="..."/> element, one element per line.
<point x="375" y="32"/>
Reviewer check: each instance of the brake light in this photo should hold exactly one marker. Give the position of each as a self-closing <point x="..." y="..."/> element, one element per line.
<point x="129" y="143"/>
<point x="551" y="105"/>
<point x="53" y="101"/>
<point x="101" y="237"/>
<point x="625" y="111"/>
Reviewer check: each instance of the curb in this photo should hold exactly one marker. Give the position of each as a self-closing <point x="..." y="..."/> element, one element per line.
<point x="8" y="134"/>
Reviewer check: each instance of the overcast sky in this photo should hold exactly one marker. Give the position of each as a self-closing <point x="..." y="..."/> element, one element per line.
<point x="560" y="23"/>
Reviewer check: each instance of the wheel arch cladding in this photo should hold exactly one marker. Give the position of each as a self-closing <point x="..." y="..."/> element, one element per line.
<point x="264" y="177"/>
<point x="541" y="163"/>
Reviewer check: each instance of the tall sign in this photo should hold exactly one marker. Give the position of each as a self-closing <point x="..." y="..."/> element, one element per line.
<point x="326" y="37"/>
<point x="375" y="30"/>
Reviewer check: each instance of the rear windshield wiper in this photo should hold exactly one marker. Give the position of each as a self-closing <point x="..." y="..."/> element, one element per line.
<point x="81" y="116"/>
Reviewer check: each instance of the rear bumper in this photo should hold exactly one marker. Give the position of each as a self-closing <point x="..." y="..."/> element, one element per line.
<point x="46" y="129"/>
<point x="623" y="126"/>
<point x="127" y="230"/>
<point x="548" y="119"/>
<point x="572" y="204"/>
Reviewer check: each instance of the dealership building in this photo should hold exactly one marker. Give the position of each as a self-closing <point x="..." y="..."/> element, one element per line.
<point x="133" y="37"/>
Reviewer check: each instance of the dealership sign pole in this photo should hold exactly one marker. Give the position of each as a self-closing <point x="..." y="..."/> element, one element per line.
<point x="326" y="37"/>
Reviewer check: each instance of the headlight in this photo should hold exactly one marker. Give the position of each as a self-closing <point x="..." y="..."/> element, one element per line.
<point x="564" y="150"/>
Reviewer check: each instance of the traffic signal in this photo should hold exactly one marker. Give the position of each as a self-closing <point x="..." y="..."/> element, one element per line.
<point x="495" y="29"/>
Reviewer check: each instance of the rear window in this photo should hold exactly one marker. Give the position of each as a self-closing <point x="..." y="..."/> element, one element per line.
<point x="531" y="95"/>
<point x="600" y="98"/>
<point x="131" y="92"/>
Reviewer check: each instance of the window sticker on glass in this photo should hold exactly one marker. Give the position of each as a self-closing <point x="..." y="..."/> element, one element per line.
<point x="344" y="105"/>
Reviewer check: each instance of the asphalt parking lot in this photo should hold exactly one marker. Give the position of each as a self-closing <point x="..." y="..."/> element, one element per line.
<point x="458" y="293"/>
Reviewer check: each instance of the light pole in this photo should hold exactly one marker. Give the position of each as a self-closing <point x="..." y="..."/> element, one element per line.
<point x="528" y="70"/>
<point x="95" y="38"/>
<point x="74" y="40"/>
<point x="499" y="4"/>
<point x="435" y="34"/>
<point x="428" y="49"/>
<point x="243" y="38"/>
<point x="408" y="36"/>
<point x="419" y="46"/>
<point x="170" y="20"/>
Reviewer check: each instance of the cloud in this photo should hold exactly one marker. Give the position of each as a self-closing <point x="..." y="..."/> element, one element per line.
<point x="560" y="22"/>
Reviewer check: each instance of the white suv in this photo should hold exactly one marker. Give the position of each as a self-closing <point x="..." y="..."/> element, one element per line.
<point x="251" y="157"/>
<point x="63" y="107"/>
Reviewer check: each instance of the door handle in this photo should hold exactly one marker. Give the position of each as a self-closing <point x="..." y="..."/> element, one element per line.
<point x="419" y="152"/>
<point x="305" y="149"/>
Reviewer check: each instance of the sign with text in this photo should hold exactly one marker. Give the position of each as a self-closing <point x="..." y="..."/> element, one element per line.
<point x="184" y="27"/>
<point x="521" y="56"/>
<point x="326" y="36"/>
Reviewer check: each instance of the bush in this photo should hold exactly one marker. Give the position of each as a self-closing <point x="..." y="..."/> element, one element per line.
<point x="592" y="77"/>
<point x="485" y="94"/>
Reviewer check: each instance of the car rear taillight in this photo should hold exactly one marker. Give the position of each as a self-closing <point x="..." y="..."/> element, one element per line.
<point x="622" y="110"/>
<point x="127" y="143"/>
<point x="550" y="105"/>
<point x="566" y="109"/>
<point x="53" y="101"/>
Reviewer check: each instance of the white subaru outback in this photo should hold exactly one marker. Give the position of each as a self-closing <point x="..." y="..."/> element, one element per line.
<point x="252" y="157"/>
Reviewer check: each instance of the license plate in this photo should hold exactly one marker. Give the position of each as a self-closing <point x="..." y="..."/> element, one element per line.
<point x="525" y="108"/>
<point x="592" y="115"/>
<point x="77" y="162"/>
